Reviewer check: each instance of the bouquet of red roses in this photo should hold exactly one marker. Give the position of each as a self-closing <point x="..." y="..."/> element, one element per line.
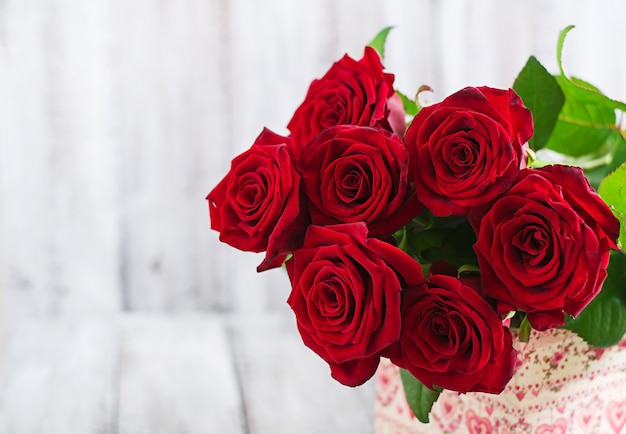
<point x="425" y="234"/>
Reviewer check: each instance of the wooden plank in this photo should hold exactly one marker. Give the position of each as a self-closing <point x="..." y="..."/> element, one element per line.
<point x="287" y="388"/>
<point x="59" y="377"/>
<point x="58" y="168"/>
<point x="177" y="376"/>
<point x="174" y="124"/>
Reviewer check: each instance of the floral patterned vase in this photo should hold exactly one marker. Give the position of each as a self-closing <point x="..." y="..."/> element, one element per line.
<point x="562" y="385"/>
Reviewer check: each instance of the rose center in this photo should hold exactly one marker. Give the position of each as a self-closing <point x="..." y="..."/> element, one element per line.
<point x="533" y="244"/>
<point x="440" y="327"/>
<point x="334" y="113"/>
<point x="463" y="157"/>
<point x="353" y="184"/>
<point x="329" y="303"/>
<point x="252" y="192"/>
<point x="249" y="195"/>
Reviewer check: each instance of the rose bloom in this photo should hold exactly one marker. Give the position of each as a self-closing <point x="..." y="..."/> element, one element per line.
<point x="256" y="204"/>
<point x="353" y="173"/>
<point x="452" y="338"/>
<point x="543" y="247"/>
<point x="466" y="150"/>
<point x="346" y="297"/>
<point x="351" y="92"/>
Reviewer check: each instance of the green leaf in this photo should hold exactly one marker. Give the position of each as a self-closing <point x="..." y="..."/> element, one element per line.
<point x="617" y="149"/>
<point x="587" y="118"/>
<point x="583" y="125"/>
<point x="378" y="43"/>
<point x="456" y="246"/>
<point x="603" y="322"/>
<point x="424" y="240"/>
<point x="613" y="192"/>
<point x="542" y="95"/>
<point x="524" y="330"/>
<point x="591" y="92"/>
<point x="400" y="237"/>
<point x="467" y="268"/>
<point x="410" y="106"/>
<point x="559" y="46"/>
<point x="419" y="397"/>
<point x="611" y="156"/>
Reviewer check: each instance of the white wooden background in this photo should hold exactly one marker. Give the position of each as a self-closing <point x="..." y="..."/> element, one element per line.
<point x="120" y="310"/>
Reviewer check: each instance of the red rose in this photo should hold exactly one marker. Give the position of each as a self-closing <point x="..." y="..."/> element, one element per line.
<point x="466" y="150"/>
<point x="352" y="173"/>
<point x="258" y="200"/>
<point x="351" y="92"/>
<point x="346" y="297"/>
<point x="584" y="200"/>
<point x="543" y="247"/>
<point x="452" y="338"/>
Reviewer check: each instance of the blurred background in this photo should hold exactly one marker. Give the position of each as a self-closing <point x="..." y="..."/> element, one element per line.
<point x="120" y="309"/>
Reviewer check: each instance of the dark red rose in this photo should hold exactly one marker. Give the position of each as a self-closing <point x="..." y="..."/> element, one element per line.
<point x="467" y="150"/>
<point x="351" y="92"/>
<point x="452" y="338"/>
<point x="346" y="297"/>
<point x="543" y="247"/>
<point x="258" y="200"/>
<point x="584" y="200"/>
<point x="353" y="173"/>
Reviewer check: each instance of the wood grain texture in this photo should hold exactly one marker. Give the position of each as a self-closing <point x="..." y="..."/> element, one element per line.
<point x="172" y="140"/>
<point x="60" y="213"/>
<point x="177" y="376"/>
<point x="60" y="376"/>
<point x="288" y="388"/>
<point x="176" y="373"/>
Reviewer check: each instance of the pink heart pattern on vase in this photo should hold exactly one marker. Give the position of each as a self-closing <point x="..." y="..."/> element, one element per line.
<point x="588" y="418"/>
<point x="477" y="425"/>
<point x="562" y="385"/>
<point x="559" y="427"/>
<point x="386" y="384"/>
<point x="616" y="413"/>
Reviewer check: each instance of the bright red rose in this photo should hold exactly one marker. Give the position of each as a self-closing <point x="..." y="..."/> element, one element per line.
<point x="346" y="297"/>
<point x="353" y="173"/>
<point x="467" y="150"/>
<point x="543" y="247"/>
<point x="452" y="338"/>
<point x="256" y="204"/>
<point x="351" y="92"/>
